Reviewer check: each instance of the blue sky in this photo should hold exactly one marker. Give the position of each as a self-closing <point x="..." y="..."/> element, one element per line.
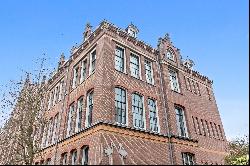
<point x="215" y="34"/>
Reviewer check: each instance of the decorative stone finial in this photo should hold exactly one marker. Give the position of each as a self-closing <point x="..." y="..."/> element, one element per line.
<point x="188" y="63"/>
<point x="167" y="37"/>
<point x="62" y="61"/>
<point x="132" y="30"/>
<point x="87" y="32"/>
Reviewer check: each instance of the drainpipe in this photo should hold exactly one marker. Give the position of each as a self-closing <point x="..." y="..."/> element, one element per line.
<point x="61" y="113"/>
<point x="165" y="109"/>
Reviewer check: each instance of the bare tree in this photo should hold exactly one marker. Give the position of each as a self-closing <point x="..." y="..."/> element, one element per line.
<point x="238" y="151"/>
<point x="20" y="136"/>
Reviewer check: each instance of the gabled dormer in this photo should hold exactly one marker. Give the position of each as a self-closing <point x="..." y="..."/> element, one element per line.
<point x="132" y="30"/>
<point x="168" y="52"/>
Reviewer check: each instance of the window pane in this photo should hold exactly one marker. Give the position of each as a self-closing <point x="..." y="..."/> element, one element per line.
<point x="148" y="70"/>
<point x="119" y="59"/>
<point x="134" y="66"/>
<point x="181" y="124"/>
<point x="85" y="153"/>
<point x="152" y="114"/>
<point x="174" y="80"/>
<point x="120" y="105"/>
<point x="137" y="108"/>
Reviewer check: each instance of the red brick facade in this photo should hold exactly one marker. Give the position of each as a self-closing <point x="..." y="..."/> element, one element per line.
<point x="126" y="143"/>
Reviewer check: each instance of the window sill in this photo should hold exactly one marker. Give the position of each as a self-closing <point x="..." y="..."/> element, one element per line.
<point x="123" y="72"/>
<point x="81" y="83"/>
<point x="177" y="92"/>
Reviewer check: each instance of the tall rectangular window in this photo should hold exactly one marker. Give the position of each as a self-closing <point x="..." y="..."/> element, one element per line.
<point x="92" y="61"/>
<point x="119" y="59"/>
<point x="120" y="105"/>
<point x="137" y="108"/>
<point x="50" y="126"/>
<point x="181" y="123"/>
<point x="149" y="71"/>
<point x="70" y="118"/>
<point x="52" y="97"/>
<point x="48" y="162"/>
<point x="174" y="80"/>
<point x="134" y="66"/>
<point x="50" y="100"/>
<point x="45" y="133"/>
<point x="57" y="94"/>
<point x="152" y="115"/>
<point x="64" y="159"/>
<point x="83" y="71"/>
<point x="75" y="77"/>
<point x="85" y="155"/>
<point x="74" y="157"/>
<point x="78" y="126"/>
<point x="55" y="129"/>
<point x="188" y="159"/>
<point x="90" y="108"/>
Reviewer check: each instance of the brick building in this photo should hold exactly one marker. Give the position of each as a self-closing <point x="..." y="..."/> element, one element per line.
<point x="117" y="100"/>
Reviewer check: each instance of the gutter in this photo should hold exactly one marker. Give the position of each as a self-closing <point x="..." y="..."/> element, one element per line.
<point x="165" y="110"/>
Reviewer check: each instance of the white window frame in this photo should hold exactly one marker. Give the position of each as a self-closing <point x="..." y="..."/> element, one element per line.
<point x="54" y="98"/>
<point x="172" y="58"/>
<point x="44" y="139"/>
<point x="132" y="32"/>
<point x="75" y="81"/>
<point x="144" y="116"/>
<point x="139" y="63"/>
<point x="77" y="129"/>
<point x="65" y="159"/>
<point x="86" y="73"/>
<point x="157" y="116"/>
<point x="152" y="71"/>
<point x="188" y="158"/>
<point x="172" y="82"/>
<point x="124" y="59"/>
<point x="69" y="120"/>
<point x="126" y="106"/>
<point x="87" y="108"/>
<point x="184" y="121"/>
<point x="74" y="155"/>
<point x="50" y="102"/>
<point x="83" y="149"/>
<point x="55" y="127"/>
<point x="61" y="90"/>
<point x="90" y="60"/>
